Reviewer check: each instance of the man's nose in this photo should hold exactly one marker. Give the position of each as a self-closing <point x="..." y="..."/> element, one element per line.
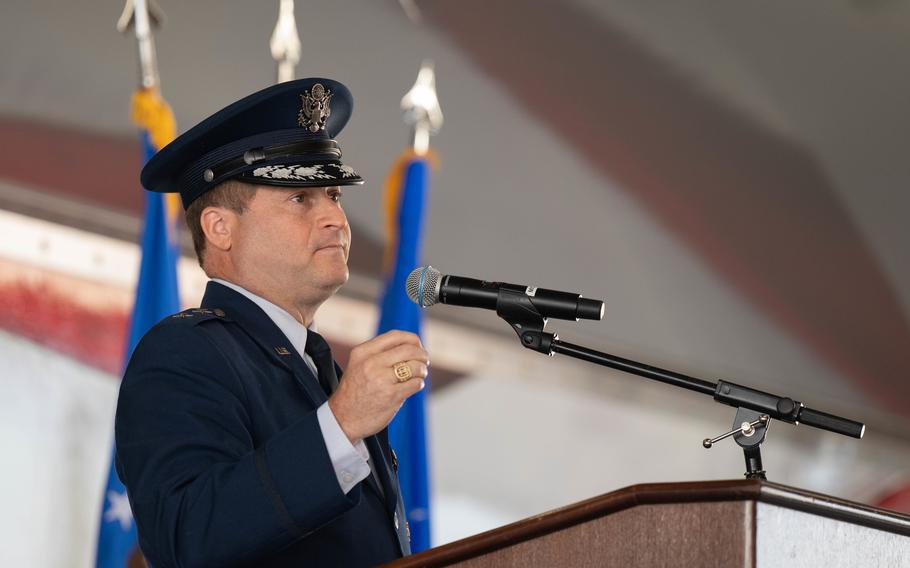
<point x="331" y="214"/>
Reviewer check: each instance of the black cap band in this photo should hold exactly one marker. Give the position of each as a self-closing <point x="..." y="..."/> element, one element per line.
<point x="324" y="146"/>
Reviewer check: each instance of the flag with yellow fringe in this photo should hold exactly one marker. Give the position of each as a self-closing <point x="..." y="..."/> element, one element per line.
<point x="156" y="297"/>
<point x="406" y="195"/>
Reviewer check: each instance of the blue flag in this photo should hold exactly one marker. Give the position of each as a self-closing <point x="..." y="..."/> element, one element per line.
<point x="406" y="194"/>
<point x="156" y="297"/>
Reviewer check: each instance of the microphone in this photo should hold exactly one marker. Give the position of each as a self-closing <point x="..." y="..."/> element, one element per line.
<point x="426" y="287"/>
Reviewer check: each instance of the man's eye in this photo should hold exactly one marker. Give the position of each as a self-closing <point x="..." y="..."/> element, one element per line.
<point x="299" y="198"/>
<point x="336" y="197"/>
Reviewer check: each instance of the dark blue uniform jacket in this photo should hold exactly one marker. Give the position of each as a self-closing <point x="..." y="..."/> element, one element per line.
<point x="222" y="455"/>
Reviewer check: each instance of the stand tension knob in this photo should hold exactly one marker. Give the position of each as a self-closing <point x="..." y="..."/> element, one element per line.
<point x="747" y="429"/>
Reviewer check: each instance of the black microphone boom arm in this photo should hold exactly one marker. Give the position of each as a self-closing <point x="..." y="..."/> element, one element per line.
<point x="519" y="312"/>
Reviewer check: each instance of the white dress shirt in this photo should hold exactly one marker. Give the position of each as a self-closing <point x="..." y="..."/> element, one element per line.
<point x="351" y="461"/>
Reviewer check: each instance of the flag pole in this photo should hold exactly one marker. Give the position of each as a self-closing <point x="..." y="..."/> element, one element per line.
<point x="137" y="13"/>
<point x="406" y="194"/>
<point x="285" y="42"/>
<point x="157" y="293"/>
<point x="421" y="109"/>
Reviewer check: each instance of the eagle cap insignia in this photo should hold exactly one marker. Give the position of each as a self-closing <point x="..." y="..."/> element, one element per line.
<point x="315" y="110"/>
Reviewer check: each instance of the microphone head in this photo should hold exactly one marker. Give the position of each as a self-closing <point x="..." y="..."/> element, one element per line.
<point x="423" y="286"/>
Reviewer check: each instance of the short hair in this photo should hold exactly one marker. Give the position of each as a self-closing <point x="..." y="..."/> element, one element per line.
<point x="231" y="194"/>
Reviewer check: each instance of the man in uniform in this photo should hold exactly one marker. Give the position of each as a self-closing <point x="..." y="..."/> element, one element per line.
<point x="238" y="438"/>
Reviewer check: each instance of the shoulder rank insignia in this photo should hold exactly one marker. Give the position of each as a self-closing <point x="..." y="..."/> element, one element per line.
<point x="315" y="110"/>
<point x="201" y="314"/>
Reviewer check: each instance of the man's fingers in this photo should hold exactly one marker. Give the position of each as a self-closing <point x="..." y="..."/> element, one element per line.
<point x="412" y="386"/>
<point x="403" y="353"/>
<point x="388" y="340"/>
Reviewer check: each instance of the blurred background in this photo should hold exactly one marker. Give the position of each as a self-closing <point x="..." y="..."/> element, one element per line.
<point x="730" y="178"/>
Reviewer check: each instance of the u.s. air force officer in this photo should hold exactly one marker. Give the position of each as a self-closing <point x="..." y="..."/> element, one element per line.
<point x="238" y="438"/>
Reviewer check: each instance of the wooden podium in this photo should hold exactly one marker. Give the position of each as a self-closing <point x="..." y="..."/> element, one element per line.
<point x="726" y="524"/>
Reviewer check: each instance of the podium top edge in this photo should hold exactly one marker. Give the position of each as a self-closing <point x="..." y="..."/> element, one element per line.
<point x="662" y="493"/>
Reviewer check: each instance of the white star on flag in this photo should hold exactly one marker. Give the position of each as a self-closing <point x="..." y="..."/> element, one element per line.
<point x="119" y="510"/>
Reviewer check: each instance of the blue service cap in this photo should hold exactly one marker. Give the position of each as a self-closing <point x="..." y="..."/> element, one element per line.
<point x="283" y="135"/>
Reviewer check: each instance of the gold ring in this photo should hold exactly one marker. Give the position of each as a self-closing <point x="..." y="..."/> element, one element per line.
<point x="402" y="371"/>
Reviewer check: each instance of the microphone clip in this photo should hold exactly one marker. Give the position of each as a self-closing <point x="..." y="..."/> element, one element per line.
<point x="516" y="308"/>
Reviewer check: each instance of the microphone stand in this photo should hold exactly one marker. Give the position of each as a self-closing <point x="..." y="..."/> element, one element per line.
<point x="754" y="408"/>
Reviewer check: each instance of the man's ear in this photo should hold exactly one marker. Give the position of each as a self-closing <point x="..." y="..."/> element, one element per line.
<point x="218" y="224"/>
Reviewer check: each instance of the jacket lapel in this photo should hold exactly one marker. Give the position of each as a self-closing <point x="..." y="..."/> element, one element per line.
<point x="263" y="331"/>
